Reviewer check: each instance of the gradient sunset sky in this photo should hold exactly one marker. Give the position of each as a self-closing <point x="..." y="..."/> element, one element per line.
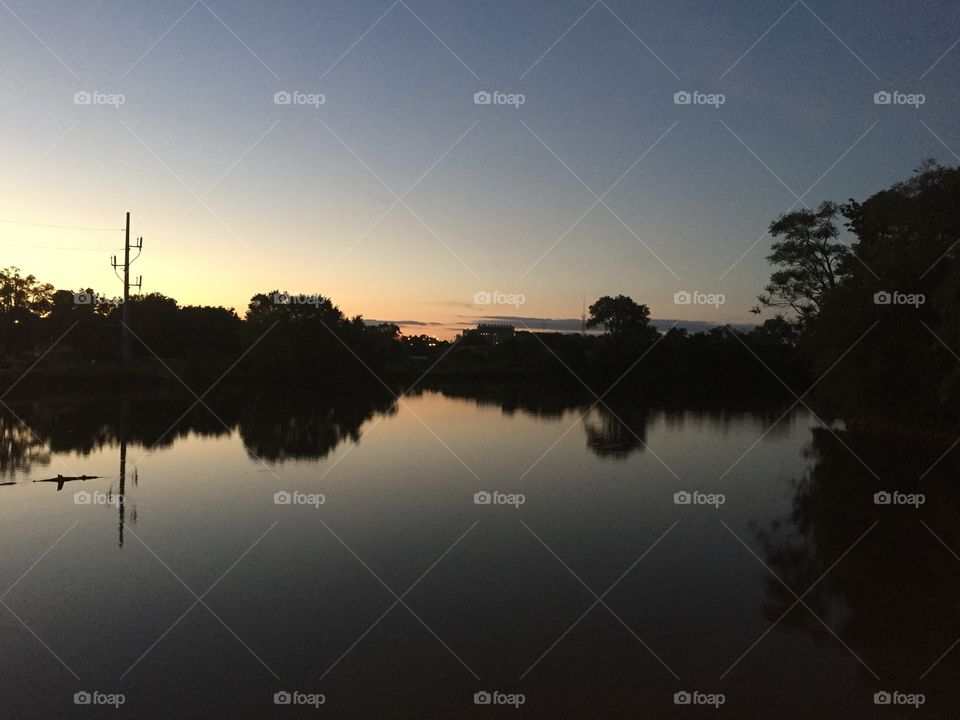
<point x="235" y="194"/>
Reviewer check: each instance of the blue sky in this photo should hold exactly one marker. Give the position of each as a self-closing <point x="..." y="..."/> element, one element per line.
<point x="235" y="194"/>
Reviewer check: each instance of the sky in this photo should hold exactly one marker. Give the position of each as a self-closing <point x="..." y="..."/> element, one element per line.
<point x="385" y="185"/>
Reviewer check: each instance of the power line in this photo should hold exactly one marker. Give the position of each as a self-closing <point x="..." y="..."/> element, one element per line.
<point x="61" y="227"/>
<point x="52" y="247"/>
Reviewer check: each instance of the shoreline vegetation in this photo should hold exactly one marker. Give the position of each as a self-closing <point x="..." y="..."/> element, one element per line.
<point x="866" y="329"/>
<point x="511" y="391"/>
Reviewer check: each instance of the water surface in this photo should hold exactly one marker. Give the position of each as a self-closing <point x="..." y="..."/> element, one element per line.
<point x="184" y="585"/>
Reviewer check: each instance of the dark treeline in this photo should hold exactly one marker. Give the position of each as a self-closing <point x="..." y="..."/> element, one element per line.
<point x="871" y="323"/>
<point x="877" y="321"/>
<point x="722" y="364"/>
<point x="309" y="338"/>
<point x="867" y="323"/>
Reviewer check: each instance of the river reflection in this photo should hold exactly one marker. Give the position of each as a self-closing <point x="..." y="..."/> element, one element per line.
<point x="274" y="425"/>
<point x="691" y="598"/>
<point x="297" y="425"/>
<point x="883" y="578"/>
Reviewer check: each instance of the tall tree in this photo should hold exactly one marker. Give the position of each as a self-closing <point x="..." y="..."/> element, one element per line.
<point x="620" y="316"/>
<point x="810" y="258"/>
<point x="886" y="338"/>
<point x="19" y="293"/>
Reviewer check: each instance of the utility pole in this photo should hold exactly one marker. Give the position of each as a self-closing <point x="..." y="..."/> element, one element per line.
<point x="125" y="353"/>
<point x="125" y="339"/>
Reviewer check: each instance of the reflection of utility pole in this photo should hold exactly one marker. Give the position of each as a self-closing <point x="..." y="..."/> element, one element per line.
<point x="124" y="412"/>
<point x="125" y="336"/>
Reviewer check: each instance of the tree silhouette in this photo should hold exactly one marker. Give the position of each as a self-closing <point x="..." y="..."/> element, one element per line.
<point x="810" y="259"/>
<point x="620" y="316"/>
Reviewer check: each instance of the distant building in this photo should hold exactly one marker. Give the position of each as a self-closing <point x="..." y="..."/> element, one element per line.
<point x="494" y="332"/>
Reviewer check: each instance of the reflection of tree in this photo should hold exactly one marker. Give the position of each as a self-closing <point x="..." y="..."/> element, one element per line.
<point x="274" y="425"/>
<point x="20" y="449"/>
<point x="530" y="399"/>
<point x="88" y="422"/>
<point x="277" y="427"/>
<point x="893" y="599"/>
<point x="617" y="426"/>
<point x="616" y="431"/>
<point x="289" y="423"/>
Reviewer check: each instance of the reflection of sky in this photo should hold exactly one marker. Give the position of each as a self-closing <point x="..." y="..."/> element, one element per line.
<point x="399" y="499"/>
<point x="235" y="194"/>
<point x="447" y="449"/>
